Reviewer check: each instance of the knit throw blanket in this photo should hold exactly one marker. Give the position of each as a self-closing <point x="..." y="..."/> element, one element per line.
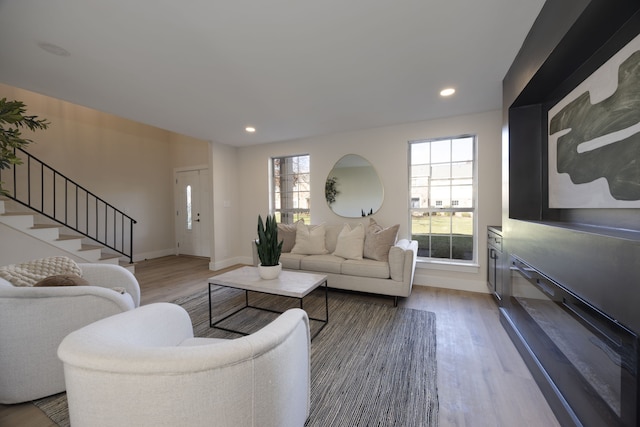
<point x="30" y="273"/>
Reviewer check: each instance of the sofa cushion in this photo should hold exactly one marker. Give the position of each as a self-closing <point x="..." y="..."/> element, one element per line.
<point x="322" y="263"/>
<point x="309" y="239"/>
<point x="350" y="243"/>
<point x="291" y="261"/>
<point x="287" y="234"/>
<point x="378" y="240"/>
<point x="365" y="268"/>
<point x="63" y="280"/>
<point x="331" y="233"/>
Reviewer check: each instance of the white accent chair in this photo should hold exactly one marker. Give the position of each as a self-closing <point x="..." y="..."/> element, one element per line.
<point x="145" y="368"/>
<point x="34" y="320"/>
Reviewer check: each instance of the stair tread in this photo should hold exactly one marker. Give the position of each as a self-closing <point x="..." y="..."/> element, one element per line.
<point x="69" y="237"/>
<point x="16" y="214"/>
<point x="39" y="226"/>
<point x="108" y="256"/>
<point x="90" y="247"/>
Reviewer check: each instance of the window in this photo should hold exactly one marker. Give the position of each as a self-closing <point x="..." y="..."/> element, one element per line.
<point x="189" y="217"/>
<point x="442" y="209"/>
<point x="291" y="189"/>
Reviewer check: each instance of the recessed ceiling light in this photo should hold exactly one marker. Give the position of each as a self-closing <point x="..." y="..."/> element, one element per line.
<point x="54" y="49"/>
<point x="447" y="92"/>
<point x="250" y="129"/>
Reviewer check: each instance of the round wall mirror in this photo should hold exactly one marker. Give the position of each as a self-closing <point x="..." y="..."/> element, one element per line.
<point x="353" y="188"/>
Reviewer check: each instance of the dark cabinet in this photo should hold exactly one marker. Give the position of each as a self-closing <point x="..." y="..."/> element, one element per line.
<point x="495" y="261"/>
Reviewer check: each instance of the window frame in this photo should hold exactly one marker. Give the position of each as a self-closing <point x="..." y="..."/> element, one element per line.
<point x="433" y="209"/>
<point x="289" y="215"/>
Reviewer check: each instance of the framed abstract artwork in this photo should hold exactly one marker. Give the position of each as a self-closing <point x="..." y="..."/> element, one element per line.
<point x="594" y="138"/>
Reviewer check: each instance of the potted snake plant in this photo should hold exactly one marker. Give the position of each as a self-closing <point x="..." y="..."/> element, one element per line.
<point x="269" y="248"/>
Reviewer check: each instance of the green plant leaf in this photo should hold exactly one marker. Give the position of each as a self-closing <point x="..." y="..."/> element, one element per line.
<point x="12" y="118"/>
<point x="268" y="247"/>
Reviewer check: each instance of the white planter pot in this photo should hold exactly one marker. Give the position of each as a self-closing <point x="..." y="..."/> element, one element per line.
<point x="269" y="272"/>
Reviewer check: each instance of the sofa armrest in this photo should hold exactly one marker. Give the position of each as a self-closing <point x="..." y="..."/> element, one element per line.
<point x="112" y="276"/>
<point x="402" y="260"/>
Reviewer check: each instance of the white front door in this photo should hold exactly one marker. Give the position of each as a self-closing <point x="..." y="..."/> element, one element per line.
<point x="193" y="222"/>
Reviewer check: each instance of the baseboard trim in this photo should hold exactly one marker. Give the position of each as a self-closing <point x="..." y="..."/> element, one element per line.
<point x="153" y="254"/>
<point x="450" y="283"/>
<point x="226" y="263"/>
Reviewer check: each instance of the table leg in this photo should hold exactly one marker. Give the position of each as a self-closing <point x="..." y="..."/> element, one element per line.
<point x="326" y="310"/>
<point x="214" y="325"/>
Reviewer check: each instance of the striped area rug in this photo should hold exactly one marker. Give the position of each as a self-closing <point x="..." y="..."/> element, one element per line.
<point x="372" y="365"/>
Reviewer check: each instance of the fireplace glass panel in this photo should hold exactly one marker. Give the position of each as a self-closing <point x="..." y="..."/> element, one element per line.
<point x="590" y="358"/>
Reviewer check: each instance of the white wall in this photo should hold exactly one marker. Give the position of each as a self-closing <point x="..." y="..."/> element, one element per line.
<point x="226" y="247"/>
<point x="128" y="164"/>
<point x="185" y="151"/>
<point x="387" y="150"/>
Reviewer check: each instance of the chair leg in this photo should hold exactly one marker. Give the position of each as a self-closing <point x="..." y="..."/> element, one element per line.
<point x="395" y="301"/>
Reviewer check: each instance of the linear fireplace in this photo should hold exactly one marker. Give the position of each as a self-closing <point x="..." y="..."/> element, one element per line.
<point x="586" y="357"/>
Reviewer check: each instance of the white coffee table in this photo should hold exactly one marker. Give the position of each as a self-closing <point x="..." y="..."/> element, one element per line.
<point x="290" y="284"/>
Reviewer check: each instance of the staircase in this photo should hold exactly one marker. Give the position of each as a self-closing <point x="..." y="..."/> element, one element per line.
<point x="44" y="204"/>
<point x="73" y="245"/>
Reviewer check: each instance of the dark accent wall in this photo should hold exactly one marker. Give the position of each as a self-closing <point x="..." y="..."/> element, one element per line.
<point x="593" y="252"/>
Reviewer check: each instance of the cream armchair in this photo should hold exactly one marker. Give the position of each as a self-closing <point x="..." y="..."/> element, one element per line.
<point x="34" y="320"/>
<point x="145" y="368"/>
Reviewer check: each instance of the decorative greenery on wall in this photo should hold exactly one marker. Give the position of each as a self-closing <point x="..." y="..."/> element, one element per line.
<point x="330" y="191"/>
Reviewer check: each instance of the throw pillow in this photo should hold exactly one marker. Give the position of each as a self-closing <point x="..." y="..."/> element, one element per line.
<point x="309" y="240"/>
<point x="287" y="234"/>
<point x="62" y="280"/>
<point x="28" y="273"/>
<point x="378" y="240"/>
<point x="350" y="242"/>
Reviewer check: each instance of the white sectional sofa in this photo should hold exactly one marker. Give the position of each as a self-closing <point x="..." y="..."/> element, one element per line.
<point x="357" y="258"/>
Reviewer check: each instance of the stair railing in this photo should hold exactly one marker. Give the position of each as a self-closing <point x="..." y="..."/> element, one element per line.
<point x="38" y="186"/>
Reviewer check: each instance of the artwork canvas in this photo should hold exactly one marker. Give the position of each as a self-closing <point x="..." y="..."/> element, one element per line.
<point x="594" y="138"/>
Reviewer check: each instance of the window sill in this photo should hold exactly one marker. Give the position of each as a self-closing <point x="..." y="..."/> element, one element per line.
<point x="461" y="267"/>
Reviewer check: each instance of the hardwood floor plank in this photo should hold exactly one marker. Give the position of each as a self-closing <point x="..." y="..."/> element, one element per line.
<point x="482" y="380"/>
<point x="23" y="415"/>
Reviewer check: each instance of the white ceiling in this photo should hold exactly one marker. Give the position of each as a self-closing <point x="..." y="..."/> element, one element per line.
<point x="292" y="69"/>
